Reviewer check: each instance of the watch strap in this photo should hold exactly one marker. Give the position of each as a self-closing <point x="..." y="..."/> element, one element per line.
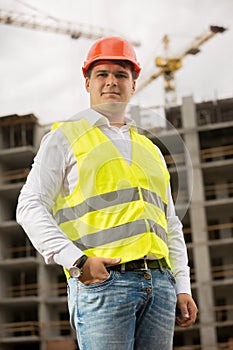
<point x="81" y="261"/>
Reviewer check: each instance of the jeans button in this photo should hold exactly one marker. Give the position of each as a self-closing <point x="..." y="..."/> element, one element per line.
<point x="148" y="290"/>
<point x="147" y="276"/>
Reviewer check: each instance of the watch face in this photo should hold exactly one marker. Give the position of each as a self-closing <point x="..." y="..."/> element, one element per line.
<point x="75" y="272"/>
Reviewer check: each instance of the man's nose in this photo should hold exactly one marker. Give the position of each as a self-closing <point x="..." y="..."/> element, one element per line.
<point x="111" y="80"/>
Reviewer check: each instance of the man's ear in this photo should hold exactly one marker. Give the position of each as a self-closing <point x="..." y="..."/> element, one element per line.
<point x="87" y="84"/>
<point x="133" y="87"/>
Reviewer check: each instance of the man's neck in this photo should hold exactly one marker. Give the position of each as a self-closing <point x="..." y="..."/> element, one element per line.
<point x="118" y="125"/>
<point x="116" y="117"/>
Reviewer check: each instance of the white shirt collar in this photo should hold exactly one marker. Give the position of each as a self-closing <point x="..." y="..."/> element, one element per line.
<point x="95" y="118"/>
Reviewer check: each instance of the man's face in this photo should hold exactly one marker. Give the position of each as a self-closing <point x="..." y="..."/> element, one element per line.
<point x="110" y="83"/>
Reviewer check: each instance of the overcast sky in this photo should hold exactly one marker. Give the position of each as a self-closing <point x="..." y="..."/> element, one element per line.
<point x="40" y="72"/>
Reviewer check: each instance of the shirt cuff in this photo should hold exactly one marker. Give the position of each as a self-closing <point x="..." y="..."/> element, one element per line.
<point x="68" y="256"/>
<point x="183" y="285"/>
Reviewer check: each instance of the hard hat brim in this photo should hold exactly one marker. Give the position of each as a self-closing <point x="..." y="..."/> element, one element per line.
<point x="87" y="64"/>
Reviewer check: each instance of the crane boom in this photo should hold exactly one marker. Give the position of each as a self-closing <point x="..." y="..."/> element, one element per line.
<point x="193" y="49"/>
<point x="168" y="66"/>
<point x="52" y="24"/>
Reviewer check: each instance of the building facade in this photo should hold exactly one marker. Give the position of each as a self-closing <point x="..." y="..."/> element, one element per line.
<point x="33" y="308"/>
<point x="201" y="168"/>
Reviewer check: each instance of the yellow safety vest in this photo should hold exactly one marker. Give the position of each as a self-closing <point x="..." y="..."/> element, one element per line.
<point x="116" y="209"/>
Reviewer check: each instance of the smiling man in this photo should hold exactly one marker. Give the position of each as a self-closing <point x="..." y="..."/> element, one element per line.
<point x="98" y="202"/>
<point x="110" y="83"/>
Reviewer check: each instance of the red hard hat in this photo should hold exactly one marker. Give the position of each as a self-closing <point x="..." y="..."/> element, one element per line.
<point x="111" y="48"/>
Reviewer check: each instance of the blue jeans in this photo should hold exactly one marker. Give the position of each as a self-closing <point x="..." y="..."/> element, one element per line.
<point x="128" y="311"/>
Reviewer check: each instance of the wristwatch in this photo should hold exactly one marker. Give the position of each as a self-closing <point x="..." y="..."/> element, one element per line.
<point x="76" y="269"/>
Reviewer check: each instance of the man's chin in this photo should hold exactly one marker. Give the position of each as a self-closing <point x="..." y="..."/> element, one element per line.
<point x="111" y="106"/>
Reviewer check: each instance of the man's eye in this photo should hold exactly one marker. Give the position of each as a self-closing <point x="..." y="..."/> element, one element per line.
<point x="101" y="74"/>
<point x="121" y="75"/>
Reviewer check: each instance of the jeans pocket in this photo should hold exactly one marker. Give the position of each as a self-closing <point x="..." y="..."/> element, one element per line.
<point x="98" y="286"/>
<point x="170" y="277"/>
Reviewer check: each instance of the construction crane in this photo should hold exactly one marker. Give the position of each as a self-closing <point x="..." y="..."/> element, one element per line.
<point x="169" y="65"/>
<point x="54" y="25"/>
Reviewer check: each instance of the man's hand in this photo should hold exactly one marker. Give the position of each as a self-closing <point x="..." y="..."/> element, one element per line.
<point x="188" y="310"/>
<point x="94" y="270"/>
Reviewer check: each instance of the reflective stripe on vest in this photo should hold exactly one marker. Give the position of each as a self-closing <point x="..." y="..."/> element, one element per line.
<point x="106" y="200"/>
<point x="123" y="231"/>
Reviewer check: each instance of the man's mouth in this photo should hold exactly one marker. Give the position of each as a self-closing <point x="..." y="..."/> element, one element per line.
<point x="110" y="93"/>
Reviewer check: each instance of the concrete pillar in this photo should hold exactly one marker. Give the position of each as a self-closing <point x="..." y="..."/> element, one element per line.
<point x="199" y="231"/>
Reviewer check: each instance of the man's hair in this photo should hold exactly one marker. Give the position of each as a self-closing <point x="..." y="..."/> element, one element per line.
<point x="122" y="63"/>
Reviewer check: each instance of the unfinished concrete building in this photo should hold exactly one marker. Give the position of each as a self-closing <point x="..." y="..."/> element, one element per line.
<point x="33" y="295"/>
<point x="207" y="131"/>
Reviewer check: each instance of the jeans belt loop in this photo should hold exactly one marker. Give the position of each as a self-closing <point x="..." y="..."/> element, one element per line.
<point x="122" y="268"/>
<point x="145" y="263"/>
<point x="160" y="266"/>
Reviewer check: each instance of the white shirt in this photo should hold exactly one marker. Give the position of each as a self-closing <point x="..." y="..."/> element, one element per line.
<point x="55" y="171"/>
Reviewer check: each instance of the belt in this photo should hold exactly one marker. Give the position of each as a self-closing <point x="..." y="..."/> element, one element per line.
<point x="141" y="264"/>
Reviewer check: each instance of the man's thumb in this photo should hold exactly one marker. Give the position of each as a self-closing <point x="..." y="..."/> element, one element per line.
<point x="112" y="261"/>
<point x="184" y="312"/>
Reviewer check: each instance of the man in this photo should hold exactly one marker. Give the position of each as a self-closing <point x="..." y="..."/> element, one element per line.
<point x="98" y="202"/>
